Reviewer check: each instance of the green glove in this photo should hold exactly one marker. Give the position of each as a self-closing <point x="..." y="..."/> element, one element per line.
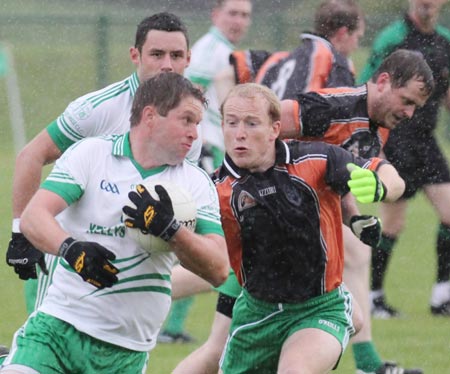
<point x="365" y="184"/>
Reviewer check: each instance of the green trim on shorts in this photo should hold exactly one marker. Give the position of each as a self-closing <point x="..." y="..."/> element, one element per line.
<point x="52" y="346"/>
<point x="260" y="328"/>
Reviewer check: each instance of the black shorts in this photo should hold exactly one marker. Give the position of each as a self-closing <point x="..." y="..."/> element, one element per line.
<point x="418" y="160"/>
<point x="225" y="305"/>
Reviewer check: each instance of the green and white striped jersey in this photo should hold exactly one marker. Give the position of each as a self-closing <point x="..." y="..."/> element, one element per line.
<point x="94" y="177"/>
<point x="103" y="112"/>
<point x="210" y="55"/>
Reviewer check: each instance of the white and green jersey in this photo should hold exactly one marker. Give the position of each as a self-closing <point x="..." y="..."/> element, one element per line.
<point x="210" y="55"/>
<point x="94" y="177"/>
<point x="103" y="112"/>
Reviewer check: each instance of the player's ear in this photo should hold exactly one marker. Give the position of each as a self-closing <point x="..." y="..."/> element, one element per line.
<point x="275" y="128"/>
<point x="188" y="57"/>
<point x="149" y="113"/>
<point x="383" y="80"/>
<point x="134" y="55"/>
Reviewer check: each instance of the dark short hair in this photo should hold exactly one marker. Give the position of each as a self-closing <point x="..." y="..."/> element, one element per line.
<point x="165" y="92"/>
<point x="404" y="65"/>
<point x="163" y="21"/>
<point x="331" y="15"/>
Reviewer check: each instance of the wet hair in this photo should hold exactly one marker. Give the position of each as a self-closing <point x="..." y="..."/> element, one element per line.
<point x="251" y="90"/>
<point x="404" y="65"/>
<point x="165" y="92"/>
<point x="160" y="21"/>
<point x="331" y="15"/>
<point x="221" y="3"/>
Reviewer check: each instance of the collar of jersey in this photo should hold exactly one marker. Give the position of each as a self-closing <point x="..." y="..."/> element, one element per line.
<point x="312" y="36"/>
<point x="218" y="34"/>
<point x="122" y="148"/>
<point x="282" y="156"/>
<point x="134" y="83"/>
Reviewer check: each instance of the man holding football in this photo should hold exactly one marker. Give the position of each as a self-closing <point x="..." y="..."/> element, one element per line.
<point x="161" y="45"/>
<point x="109" y="296"/>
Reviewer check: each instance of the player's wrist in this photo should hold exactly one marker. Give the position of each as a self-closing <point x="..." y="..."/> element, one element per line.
<point x="65" y="246"/>
<point x="16" y="225"/>
<point x="169" y="232"/>
<point x="380" y="188"/>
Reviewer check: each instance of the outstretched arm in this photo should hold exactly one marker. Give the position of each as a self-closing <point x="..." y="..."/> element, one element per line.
<point x="38" y="221"/>
<point x="395" y="185"/>
<point x="224" y="81"/>
<point x="27" y="176"/>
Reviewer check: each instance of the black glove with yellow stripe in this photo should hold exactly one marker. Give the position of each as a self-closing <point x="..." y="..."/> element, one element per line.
<point x="91" y="261"/>
<point x="152" y="216"/>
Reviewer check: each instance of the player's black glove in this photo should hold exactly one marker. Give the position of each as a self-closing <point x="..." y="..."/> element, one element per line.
<point x="150" y="215"/>
<point x="91" y="261"/>
<point x="22" y="255"/>
<point x="367" y="229"/>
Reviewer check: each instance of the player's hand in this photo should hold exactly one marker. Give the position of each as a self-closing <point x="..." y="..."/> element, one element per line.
<point x="365" y="184"/>
<point x="91" y="261"/>
<point x="367" y="229"/>
<point x="22" y="255"/>
<point x="150" y="215"/>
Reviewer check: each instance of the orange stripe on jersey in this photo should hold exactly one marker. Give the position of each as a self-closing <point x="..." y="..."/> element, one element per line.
<point x="231" y="227"/>
<point x="384" y="134"/>
<point x="272" y="60"/>
<point x="243" y="73"/>
<point x="339" y="132"/>
<point x="375" y="163"/>
<point x="320" y="67"/>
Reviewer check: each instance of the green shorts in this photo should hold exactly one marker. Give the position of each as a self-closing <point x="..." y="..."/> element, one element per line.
<point x="259" y="329"/>
<point x="231" y="287"/>
<point x="52" y="346"/>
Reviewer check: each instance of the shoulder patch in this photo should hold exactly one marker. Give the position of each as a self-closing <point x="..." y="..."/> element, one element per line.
<point x="78" y="111"/>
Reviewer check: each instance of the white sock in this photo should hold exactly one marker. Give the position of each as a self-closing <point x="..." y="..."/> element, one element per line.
<point x="440" y="293"/>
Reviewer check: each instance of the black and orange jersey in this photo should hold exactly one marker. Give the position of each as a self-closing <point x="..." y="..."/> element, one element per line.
<point x="315" y="64"/>
<point x="283" y="227"/>
<point x="339" y="116"/>
<point x="248" y="64"/>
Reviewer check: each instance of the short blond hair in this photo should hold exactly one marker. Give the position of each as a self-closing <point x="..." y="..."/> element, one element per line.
<point x="249" y="91"/>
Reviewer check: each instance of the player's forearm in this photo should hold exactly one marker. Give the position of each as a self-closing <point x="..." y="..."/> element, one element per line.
<point x="349" y="208"/>
<point x="290" y="125"/>
<point x="224" y="81"/>
<point x="38" y="222"/>
<point x="395" y="185"/>
<point x="28" y="169"/>
<point x="204" y="255"/>
<point x="26" y="180"/>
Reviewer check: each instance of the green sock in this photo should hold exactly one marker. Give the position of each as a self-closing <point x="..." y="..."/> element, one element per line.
<point x="177" y="316"/>
<point x="366" y="356"/>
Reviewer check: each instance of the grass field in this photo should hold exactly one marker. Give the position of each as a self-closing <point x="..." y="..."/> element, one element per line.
<point x="52" y="73"/>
